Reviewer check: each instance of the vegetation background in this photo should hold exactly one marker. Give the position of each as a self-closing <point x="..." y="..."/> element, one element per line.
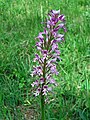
<point x="20" y="23"/>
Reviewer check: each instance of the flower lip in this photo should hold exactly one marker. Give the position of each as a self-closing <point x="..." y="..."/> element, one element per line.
<point x="61" y="25"/>
<point x="44" y="51"/>
<point x="37" y="92"/>
<point x="54" y="47"/>
<point x="45" y="86"/>
<point x="41" y="80"/>
<point x="36" y="83"/>
<point x="62" y="18"/>
<point x="40" y="36"/>
<point x="37" y="58"/>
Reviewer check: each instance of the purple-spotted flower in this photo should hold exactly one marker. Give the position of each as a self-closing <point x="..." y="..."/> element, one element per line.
<point x="48" y="53"/>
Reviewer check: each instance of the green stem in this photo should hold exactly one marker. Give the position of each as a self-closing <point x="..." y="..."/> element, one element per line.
<point x="42" y="107"/>
<point x="42" y="96"/>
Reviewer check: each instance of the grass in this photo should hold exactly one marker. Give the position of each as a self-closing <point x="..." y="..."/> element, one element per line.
<point x="19" y="25"/>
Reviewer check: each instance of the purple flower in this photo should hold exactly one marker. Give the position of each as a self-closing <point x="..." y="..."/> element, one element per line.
<point x="48" y="76"/>
<point x="62" y="17"/>
<point x="44" y="53"/>
<point x="41" y="80"/>
<point x="53" y="70"/>
<point x="36" y="83"/>
<point x="37" y="71"/>
<point x="40" y="36"/>
<point x="53" y="60"/>
<point x="37" y="58"/>
<point x="45" y="90"/>
<point x="52" y="81"/>
<point x="58" y="27"/>
<point x="38" y="91"/>
<point x="54" y="12"/>
<point x="39" y="45"/>
<point x="56" y="56"/>
<point x="57" y="52"/>
<point x="54" y="20"/>
<point x="54" y="47"/>
<point x="48" y="53"/>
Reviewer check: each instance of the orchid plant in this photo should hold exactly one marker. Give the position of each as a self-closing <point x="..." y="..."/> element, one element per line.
<point x="47" y="55"/>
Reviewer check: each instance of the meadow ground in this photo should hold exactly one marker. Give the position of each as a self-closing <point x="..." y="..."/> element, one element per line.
<point x="20" y="23"/>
